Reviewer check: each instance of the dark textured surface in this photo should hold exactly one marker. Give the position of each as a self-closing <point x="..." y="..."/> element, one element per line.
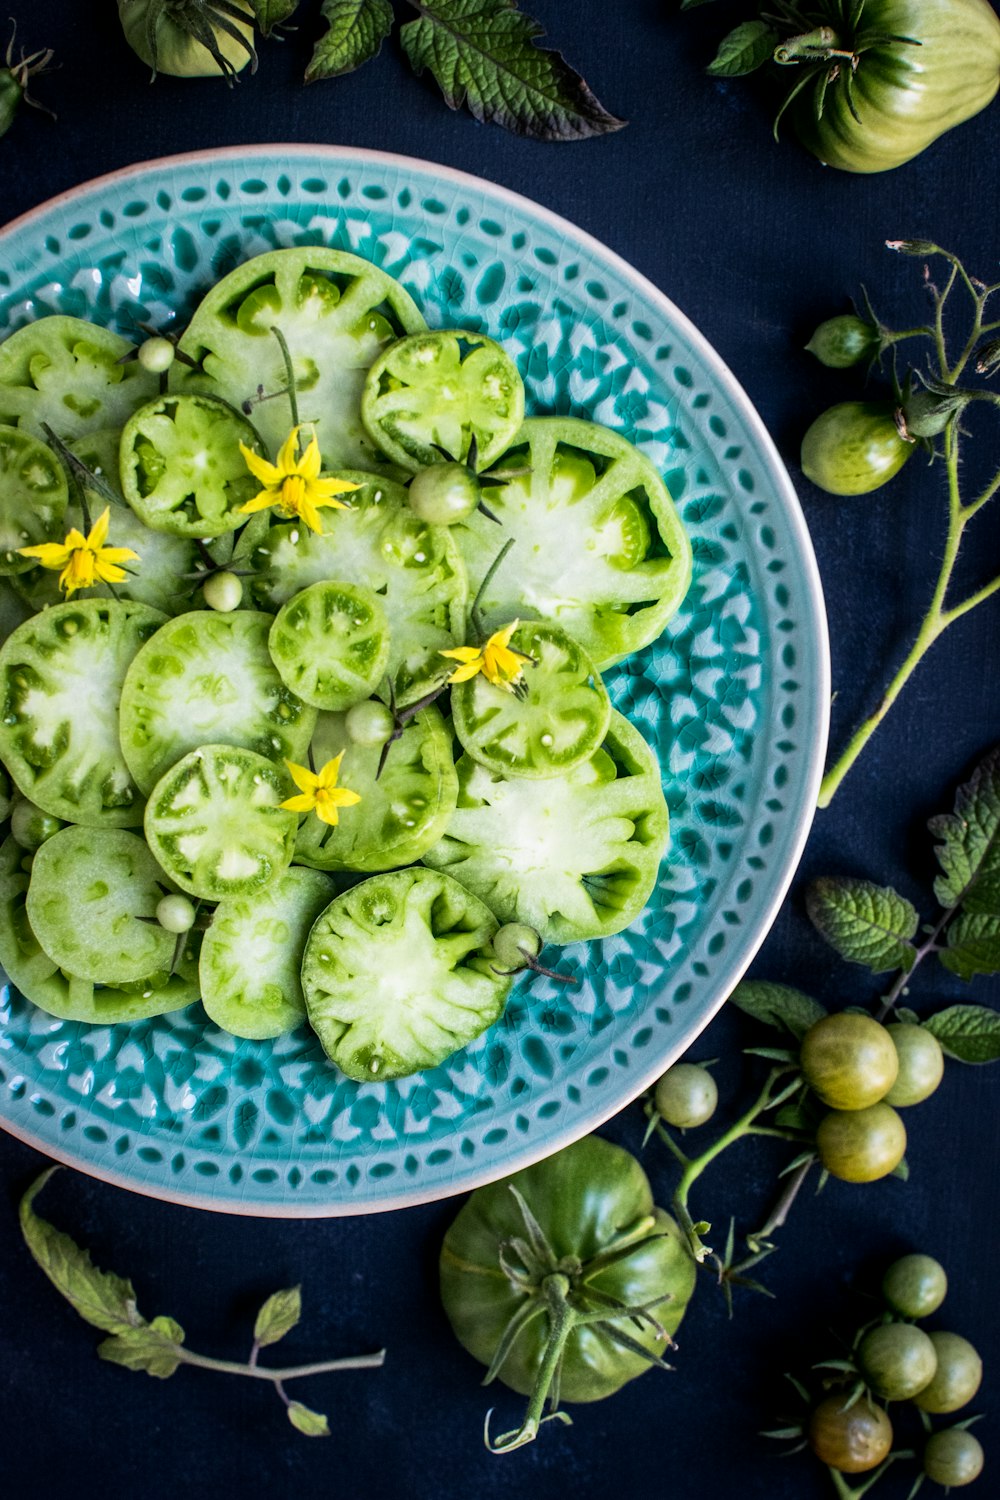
<point x="755" y="242"/>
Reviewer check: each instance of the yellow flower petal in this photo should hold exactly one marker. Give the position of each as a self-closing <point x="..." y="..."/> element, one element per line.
<point x="288" y="455"/>
<point x="49" y="554"/>
<point x="259" y="467"/>
<point x="310" y="463"/>
<point x="466" y="673"/>
<point x="305" y="803"/>
<point x="463" y="653"/>
<point x="310" y="515"/>
<point x="305" y="780"/>
<point x="330" y="487"/>
<point x="263" y="501"/>
<point x="98" y="534"/>
<point x="327" y="777"/>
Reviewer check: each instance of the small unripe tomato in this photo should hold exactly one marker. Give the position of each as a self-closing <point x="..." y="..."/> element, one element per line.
<point x="444" y="493"/>
<point x="848" y="1060"/>
<point x="897" y="1360"/>
<point x="854" y="448"/>
<point x="915" y="1286"/>
<point x="175" y="913"/>
<point x="30" y="825"/>
<point x="512" y="941"/>
<point x="686" y="1096"/>
<point x="921" y="1064"/>
<point x="156" y="355"/>
<point x="953" y="1458"/>
<point x="369" y="723"/>
<point x="841" y="342"/>
<point x="861" y="1145"/>
<point x="852" y="1441"/>
<point x="223" y="592"/>
<point x="957" y="1377"/>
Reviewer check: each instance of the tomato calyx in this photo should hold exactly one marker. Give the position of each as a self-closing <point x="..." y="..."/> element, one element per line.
<point x="28" y="65"/>
<point x="560" y="1289"/>
<point x="203" y="20"/>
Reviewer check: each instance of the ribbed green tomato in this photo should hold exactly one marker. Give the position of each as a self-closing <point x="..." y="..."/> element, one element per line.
<point x="163" y="34"/>
<point x="903" y="95"/>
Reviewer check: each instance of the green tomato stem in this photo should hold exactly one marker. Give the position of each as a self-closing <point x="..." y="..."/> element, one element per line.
<point x="562" y="1320"/>
<point x="294" y="1372"/>
<point x="290" y="391"/>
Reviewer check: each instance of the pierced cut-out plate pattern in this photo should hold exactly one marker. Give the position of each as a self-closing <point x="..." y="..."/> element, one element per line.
<point x="734" y="698"/>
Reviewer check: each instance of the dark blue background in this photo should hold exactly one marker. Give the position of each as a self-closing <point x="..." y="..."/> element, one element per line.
<point x="755" y="242"/>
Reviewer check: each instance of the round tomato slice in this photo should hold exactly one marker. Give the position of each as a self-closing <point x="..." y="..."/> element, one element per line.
<point x="398" y="974"/>
<point x="216" y="824"/>
<point x="574" y="856"/>
<point x="33" y="498"/>
<point x="443" y="389"/>
<point x="598" y="546"/>
<point x="61" y="676"/>
<point x="65" y="373"/>
<point x="336" y="313"/>
<point x="331" y="644"/>
<point x="555" y="718"/>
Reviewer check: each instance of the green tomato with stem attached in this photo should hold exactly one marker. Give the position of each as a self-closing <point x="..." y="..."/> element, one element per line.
<point x="921" y="1064"/>
<point x="444" y="494"/>
<point x="191" y="38"/>
<point x="369" y="723"/>
<point x="842" y="342"/>
<point x="686" y="1096"/>
<point x="854" y="448"/>
<point x="861" y="1145"/>
<point x="848" y="1060"/>
<point x="851" y="1439"/>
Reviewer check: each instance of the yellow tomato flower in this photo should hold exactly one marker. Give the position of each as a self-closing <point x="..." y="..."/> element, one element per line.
<point x="320" y="792"/>
<point x="496" y="660"/>
<point x="84" y="560"/>
<point x="293" y="483"/>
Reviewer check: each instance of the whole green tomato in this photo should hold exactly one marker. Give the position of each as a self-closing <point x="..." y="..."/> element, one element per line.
<point x="914" y="69"/>
<point x="897" y="1360"/>
<point x="921" y="1064"/>
<point x="601" y="1233"/>
<point x="861" y="1145"/>
<point x="854" y="448"/>
<point x="957" y="1377"/>
<point x="165" y="34"/>
<point x="848" y="1060"/>
<point x="852" y="1440"/>
<point x="686" y="1096"/>
<point x="915" y="1285"/>
<point x="844" y="341"/>
<point x="953" y="1458"/>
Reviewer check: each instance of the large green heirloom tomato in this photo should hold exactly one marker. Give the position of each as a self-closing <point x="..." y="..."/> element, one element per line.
<point x="167" y="34"/>
<point x="913" y="69"/>
<point x="566" y="1279"/>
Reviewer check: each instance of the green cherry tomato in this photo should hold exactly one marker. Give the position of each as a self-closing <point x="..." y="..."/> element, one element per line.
<point x="194" y="40"/>
<point x="915" y="1286"/>
<point x="854" y="448"/>
<point x="156" y="355"/>
<point x="957" y="1378"/>
<point x="223" y="592"/>
<point x="686" y="1096"/>
<point x="175" y="914"/>
<point x="897" y="1360"/>
<point x="369" y="723"/>
<point x="444" y="493"/>
<point x="861" y="1145"/>
<point x="852" y="1441"/>
<point x="841" y="342"/>
<point x="921" y="1064"/>
<point x="30" y="825"/>
<point x="512" y="941"/>
<point x="953" y="1458"/>
<point x="848" y="1060"/>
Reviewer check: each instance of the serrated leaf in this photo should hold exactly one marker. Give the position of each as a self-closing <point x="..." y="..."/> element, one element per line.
<point x="154" y="1348"/>
<point x="969" y="1033"/>
<point x="278" y="1316"/>
<point x="969" y="847"/>
<point x="481" y="53"/>
<point x="866" y="923"/>
<point x="271" y="13"/>
<point x="973" y="945"/>
<point x="744" y="50"/>
<point x="311" y="1423"/>
<point x="777" y="1005"/>
<point x="356" y="31"/>
<point x="101" y="1298"/>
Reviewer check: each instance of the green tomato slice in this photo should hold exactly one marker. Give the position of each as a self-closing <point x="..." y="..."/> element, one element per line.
<point x="251" y="955"/>
<point x="67" y="996"/>
<point x="598" y="546"/>
<point x="181" y="466"/>
<point x="557" y="719"/>
<point x="207" y="678"/>
<point x="574" y="856"/>
<point x="64" y="373"/>
<point x="33" y="498"/>
<point x="379" y="543"/>
<point x="89" y="904"/>
<point x="61" y="676"/>
<point x="215" y="822"/>
<point x="398" y="974"/>
<point x="336" y="313"/>
<point x="331" y="644"/>
<point x="443" y="389"/>
<point x="401" y="814"/>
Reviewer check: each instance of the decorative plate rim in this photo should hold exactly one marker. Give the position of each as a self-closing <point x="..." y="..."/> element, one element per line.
<point x="799" y="823"/>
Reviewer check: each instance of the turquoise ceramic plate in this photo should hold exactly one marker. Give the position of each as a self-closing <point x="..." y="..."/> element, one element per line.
<point x="734" y="697"/>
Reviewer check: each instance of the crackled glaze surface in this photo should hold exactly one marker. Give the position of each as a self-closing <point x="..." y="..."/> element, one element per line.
<point x="733" y="697"/>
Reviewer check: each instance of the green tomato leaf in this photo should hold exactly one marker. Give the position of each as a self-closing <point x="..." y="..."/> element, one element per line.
<point x="866" y="923"/>
<point x="973" y="945"/>
<point x="969" y="847"/>
<point x="482" y="54"/>
<point x="744" y="50"/>
<point x="101" y="1298"/>
<point x="154" y="1348"/>
<point x="271" y="13"/>
<point x="278" y="1316"/>
<point x="357" y="29"/>
<point x="968" y="1033"/>
<point x="312" y="1423"/>
<point x="902" y="1171"/>
<point x="777" y="1005"/>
